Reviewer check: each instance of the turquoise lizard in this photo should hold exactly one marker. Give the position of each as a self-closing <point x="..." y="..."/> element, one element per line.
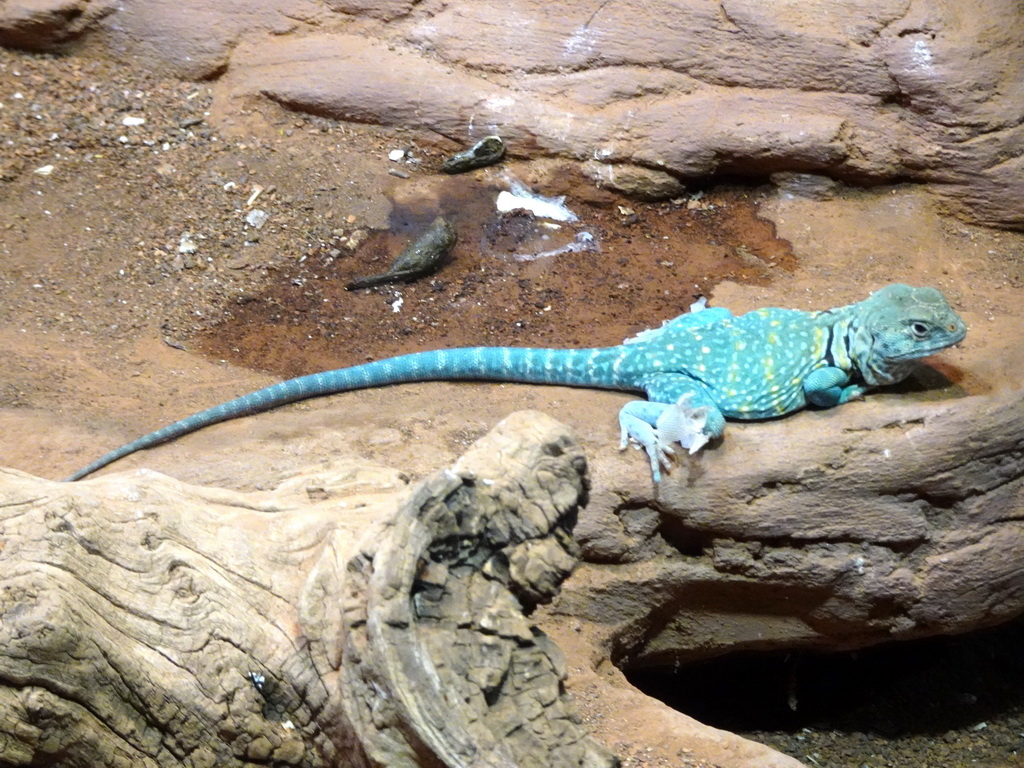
<point x="697" y="370"/>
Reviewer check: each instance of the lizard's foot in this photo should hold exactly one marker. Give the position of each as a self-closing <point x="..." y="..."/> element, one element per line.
<point x="657" y="427"/>
<point x="682" y="423"/>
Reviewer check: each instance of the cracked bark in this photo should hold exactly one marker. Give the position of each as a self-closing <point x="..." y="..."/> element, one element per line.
<point x="145" y="622"/>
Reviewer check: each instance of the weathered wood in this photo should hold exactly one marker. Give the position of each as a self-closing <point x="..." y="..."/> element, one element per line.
<point x="467" y="679"/>
<point x="145" y="622"/>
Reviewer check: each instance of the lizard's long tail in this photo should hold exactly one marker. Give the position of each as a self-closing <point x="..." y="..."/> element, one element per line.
<point x="597" y="368"/>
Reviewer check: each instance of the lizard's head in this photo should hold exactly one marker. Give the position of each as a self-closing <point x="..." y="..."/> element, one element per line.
<point x="904" y="324"/>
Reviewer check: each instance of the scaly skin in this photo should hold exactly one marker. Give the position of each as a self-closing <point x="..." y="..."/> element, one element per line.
<point x="696" y="370"/>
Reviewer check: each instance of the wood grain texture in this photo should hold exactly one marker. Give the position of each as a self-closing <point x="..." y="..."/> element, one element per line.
<point x="148" y="622"/>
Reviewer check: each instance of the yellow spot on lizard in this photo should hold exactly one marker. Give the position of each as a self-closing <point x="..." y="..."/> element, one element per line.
<point x="819" y="341"/>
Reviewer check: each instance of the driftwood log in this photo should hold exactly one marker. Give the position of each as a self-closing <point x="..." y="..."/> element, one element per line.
<point x="145" y="622"/>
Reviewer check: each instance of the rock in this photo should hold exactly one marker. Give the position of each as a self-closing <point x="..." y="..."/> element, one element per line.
<point x="377" y="9"/>
<point x="386" y="84"/>
<point x="809" y="185"/>
<point x="634" y="180"/>
<point x="861" y="92"/>
<point x="44" y="25"/>
<point x="194" y="40"/>
<point x="695" y="91"/>
<point x="904" y="524"/>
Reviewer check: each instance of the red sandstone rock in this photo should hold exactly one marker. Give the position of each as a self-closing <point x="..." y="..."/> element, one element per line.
<point x="864" y="92"/>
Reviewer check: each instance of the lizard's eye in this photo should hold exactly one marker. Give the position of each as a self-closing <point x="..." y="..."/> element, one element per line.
<point x="920" y="330"/>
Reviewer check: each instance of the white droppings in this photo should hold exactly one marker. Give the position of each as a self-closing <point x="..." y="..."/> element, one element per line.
<point x="499" y="103"/>
<point x="921" y="55"/>
<point x="521" y="199"/>
<point x="256" y="218"/>
<point x="581" y="41"/>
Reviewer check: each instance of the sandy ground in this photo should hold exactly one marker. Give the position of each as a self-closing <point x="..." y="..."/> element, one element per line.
<point x="108" y="330"/>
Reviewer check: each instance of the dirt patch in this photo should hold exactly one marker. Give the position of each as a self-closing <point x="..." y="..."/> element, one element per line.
<point x="116" y="231"/>
<point x="642" y="260"/>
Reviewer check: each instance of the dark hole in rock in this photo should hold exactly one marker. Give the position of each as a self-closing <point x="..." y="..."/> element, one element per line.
<point x="926" y="702"/>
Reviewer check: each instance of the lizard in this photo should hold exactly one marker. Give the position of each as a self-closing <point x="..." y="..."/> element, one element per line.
<point x="697" y="370"/>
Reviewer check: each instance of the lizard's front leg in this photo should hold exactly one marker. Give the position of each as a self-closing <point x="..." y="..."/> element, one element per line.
<point x="680" y="411"/>
<point x="828" y="387"/>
